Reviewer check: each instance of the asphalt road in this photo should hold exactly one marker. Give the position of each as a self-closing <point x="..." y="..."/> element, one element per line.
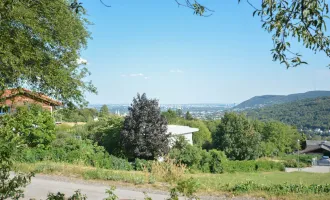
<point x="41" y="185"/>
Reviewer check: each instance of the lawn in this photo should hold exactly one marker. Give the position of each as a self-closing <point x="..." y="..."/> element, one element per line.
<point x="209" y="183"/>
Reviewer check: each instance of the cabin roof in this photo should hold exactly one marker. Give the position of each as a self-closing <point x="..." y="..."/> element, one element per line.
<point x="9" y="93"/>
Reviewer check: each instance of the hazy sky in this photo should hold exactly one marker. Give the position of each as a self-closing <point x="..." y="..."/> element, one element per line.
<point x="153" y="46"/>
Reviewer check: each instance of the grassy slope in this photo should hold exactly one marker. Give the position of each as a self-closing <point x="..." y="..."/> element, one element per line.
<point x="209" y="183"/>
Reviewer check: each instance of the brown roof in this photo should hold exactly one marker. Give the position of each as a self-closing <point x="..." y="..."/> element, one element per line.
<point x="22" y="91"/>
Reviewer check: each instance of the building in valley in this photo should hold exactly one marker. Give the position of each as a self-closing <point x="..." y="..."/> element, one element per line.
<point x="186" y="131"/>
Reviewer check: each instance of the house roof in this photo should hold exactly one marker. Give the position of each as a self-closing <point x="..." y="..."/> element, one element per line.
<point x="180" y="130"/>
<point x="312" y="145"/>
<point x="22" y="91"/>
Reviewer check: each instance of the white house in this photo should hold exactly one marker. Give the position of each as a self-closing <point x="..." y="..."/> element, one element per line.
<point x="185" y="131"/>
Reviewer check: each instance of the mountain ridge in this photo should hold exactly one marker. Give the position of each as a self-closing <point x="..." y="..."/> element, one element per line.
<point x="268" y="100"/>
<point x="311" y="113"/>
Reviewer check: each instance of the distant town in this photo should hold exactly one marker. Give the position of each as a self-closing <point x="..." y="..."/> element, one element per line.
<point x="198" y="111"/>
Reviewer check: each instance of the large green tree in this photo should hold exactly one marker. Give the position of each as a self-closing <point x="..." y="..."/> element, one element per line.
<point x="237" y="137"/>
<point x="104" y="111"/>
<point x="40" y="47"/>
<point x="144" y="132"/>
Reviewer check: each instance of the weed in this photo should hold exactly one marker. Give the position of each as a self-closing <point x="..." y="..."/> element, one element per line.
<point x="168" y="170"/>
<point x="111" y="193"/>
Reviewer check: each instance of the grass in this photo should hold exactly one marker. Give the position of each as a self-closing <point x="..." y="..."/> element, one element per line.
<point x="209" y="183"/>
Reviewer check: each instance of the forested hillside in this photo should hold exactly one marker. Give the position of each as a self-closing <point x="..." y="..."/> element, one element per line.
<point x="308" y="113"/>
<point x="268" y="100"/>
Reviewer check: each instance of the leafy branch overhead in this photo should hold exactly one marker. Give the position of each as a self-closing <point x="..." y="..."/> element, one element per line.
<point x="304" y="20"/>
<point x="287" y="19"/>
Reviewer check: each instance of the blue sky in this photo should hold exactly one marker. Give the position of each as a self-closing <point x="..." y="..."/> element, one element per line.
<point x="170" y="54"/>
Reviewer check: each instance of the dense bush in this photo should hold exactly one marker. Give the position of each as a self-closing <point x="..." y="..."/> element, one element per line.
<point x="35" y="126"/>
<point x="252" y="166"/>
<point x="199" y="159"/>
<point x="141" y="165"/>
<point x="72" y="150"/>
<point x="217" y="160"/>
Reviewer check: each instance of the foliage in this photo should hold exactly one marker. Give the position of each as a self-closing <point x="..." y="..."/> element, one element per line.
<point x="141" y="165"/>
<point x="40" y="50"/>
<point x="170" y="115"/>
<point x="303" y="20"/>
<point x="35" y="126"/>
<point x="76" y="114"/>
<point x="216" y="161"/>
<point x="212" y="125"/>
<point x="187" y="188"/>
<point x="106" y="132"/>
<point x="278" y="138"/>
<point x="60" y="196"/>
<point x="72" y="150"/>
<point x="144" y="133"/>
<point x="269" y="100"/>
<point x="304" y="114"/>
<point x="197" y="159"/>
<point x="305" y="160"/>
<point x="237" y="138"/>
<point x="104" y="111"/>
<point x="111" y="193"/>
<point x="146" y="197"/>
<point x="281" y="189"/>
<point x="188" y="116"/>
<point x="57" y="196"/>
<point x="10" y="147"/>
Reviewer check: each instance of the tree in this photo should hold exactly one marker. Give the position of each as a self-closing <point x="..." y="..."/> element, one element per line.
<point x="237" y="138"/>
<point x="188" y="116"/>
<point x="39" y="49"/>
<point x="104" y="111"/>
<point x="170" y="115"/>
<point x="144" y="133"/>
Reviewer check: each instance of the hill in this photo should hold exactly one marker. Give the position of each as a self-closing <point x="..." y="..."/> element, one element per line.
<point x="267" y="100"/>
<point x="307" y="114"/>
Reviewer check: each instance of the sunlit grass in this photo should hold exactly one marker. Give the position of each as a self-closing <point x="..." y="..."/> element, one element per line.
<point x="209" y="183"/>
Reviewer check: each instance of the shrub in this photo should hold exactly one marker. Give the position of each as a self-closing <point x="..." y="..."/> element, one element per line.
<point x="217" y="159"/>
<point x="187" y="188"/>
<point x="198" y="159"/>
<point x="141" y="165"/>
<point x="72" y="150"/>
<point x="60" y="196"/>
